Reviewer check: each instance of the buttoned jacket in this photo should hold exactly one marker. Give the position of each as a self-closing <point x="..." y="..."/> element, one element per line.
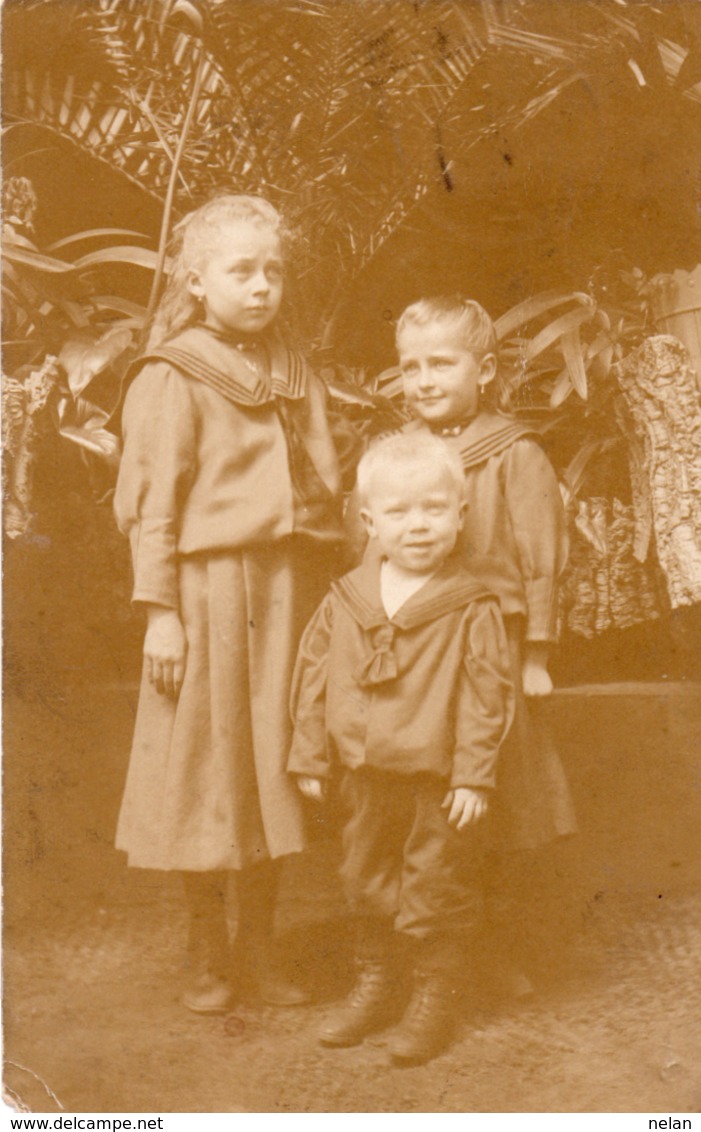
<point x="427" y="690"/>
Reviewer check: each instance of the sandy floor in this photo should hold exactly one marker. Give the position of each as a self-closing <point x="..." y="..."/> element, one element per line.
<point x="93" y="956"/>
<point x="94" y="1024"/>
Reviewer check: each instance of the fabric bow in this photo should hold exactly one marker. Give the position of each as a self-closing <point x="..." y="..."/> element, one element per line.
<point x="381" y="665"/>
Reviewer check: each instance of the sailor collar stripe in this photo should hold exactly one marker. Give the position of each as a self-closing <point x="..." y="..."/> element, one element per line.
<point x="440" y="596"/>
<point x="232" y="378"/>
<point x="473" y="452"/>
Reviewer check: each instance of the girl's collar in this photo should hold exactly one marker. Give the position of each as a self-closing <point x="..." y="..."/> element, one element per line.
<point x="251" y="349"/>
<point x="242" y="342"/>
<point x="244" y="377"/>
<point x="454" y="429"/>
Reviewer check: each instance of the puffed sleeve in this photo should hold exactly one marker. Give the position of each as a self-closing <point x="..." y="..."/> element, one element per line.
<point x="310" y="751"/>
<point x="537" y="516"/>
<point x="155" y="474"/>
<point x="356" y="536"/>
<point x="349" y="446"/>
<point x="485" y="707"/>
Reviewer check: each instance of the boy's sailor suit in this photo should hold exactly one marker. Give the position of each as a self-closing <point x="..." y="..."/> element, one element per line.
<point x="409" y="707"/>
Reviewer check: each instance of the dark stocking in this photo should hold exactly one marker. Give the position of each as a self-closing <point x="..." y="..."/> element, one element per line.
<point x="257" y="888"/>
<point x="257" y="896"/>
<point x="208" y="937"/>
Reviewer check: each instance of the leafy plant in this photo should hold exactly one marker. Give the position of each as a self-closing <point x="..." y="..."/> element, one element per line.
<point x="66" y="341"/>
<point x="57" y="295"/>
<point x="556" y="353"/>
<point x="345" y="114"/>
<point x="345" y="122"/>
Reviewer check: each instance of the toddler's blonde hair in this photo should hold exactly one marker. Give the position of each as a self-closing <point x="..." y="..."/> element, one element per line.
<point x="194" y="238"/>
<point x="405" y="452"/>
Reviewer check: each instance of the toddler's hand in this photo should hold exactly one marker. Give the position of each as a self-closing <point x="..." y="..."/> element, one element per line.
<point x="165" y="650"/>
<point x="466" y="806"/>
<point x="312" y="788"/>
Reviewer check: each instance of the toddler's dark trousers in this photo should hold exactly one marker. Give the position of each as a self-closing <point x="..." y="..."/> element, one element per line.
<point x="403" y="863"/>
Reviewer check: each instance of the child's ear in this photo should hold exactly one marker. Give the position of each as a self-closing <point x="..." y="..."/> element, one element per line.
<point x="461" y="515"/>
<point x="488" y="369"/>
<point x="368" y="522"/>
<point x="194" y="283"/>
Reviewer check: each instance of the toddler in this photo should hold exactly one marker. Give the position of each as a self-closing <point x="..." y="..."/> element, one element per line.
<point x="402" y="686"/>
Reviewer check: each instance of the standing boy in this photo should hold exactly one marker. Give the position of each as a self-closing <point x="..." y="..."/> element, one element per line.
<point x="403" y="682"/>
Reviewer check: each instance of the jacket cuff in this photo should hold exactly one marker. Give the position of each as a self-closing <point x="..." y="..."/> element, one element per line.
<point x="476" y="775"/>
<point x="541" y="603"/>
<point x="313" y="766"/>
<point x="154" y="557"/>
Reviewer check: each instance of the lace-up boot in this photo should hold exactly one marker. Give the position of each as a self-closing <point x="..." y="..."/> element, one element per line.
<point x="375" y="998"/>
<point x="428" y="1024"/>
<point x="371" y="1005"/>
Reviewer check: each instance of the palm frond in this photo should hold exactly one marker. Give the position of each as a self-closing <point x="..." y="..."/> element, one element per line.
<point x="344" y="113"/>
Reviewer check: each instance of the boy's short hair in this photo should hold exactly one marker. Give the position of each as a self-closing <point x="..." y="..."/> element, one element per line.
<point x="406" y="450"/>
<point x="477" y="327"/>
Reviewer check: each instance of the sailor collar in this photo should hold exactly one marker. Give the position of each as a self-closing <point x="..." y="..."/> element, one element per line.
<point x="220" y="363"/>
<point x="485" y="435"/>
<point x="450" y="588"/>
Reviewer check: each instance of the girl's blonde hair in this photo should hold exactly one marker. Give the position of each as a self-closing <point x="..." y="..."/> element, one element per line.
<point x="195" y="237"/>
<point x="404" y="452"/>
<point x="475" y="326"/>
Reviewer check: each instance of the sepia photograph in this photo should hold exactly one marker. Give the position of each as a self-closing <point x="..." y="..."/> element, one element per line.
<point x="351" y="506"/>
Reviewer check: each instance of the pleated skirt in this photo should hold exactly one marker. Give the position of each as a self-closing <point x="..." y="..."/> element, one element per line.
<point x="207" y="786"/>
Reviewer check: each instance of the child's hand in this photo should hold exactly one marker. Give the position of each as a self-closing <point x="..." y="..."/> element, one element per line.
<point x="466" y="806"/>
<point x="534" y="673"/>
<point x="165" y="649"/>
<point x="312" y="788"/>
